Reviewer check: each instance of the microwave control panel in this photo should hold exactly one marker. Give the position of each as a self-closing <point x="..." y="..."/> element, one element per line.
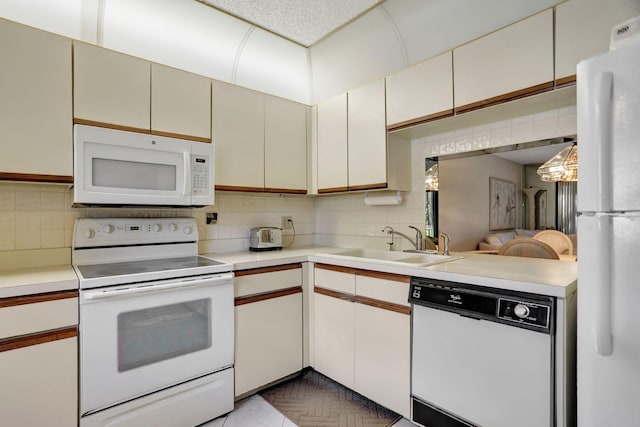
<point x="200" y="169"/>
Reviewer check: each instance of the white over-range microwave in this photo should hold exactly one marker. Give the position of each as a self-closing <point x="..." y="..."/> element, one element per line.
<point x="115" y="167"/>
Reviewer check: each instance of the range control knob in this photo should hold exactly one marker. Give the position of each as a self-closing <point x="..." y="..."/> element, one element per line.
<point x="107" y="228"/>
<point x="89" y="233"/>
<point x="187" y="230"/>
<point x="156" y="227"/>
<point x="173" y="226"/>
<point x="521" y="310"/>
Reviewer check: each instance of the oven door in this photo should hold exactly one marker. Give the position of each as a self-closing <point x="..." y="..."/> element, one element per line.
<point x="119" y="167"/>
<point x="137" y="339"/>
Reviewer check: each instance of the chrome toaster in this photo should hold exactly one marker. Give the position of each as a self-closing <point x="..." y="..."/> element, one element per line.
<point x="265" y="239"/>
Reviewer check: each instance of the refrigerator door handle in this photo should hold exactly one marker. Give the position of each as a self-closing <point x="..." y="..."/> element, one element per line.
<point x="602" y="105"/>
<point x="604" y="339"/>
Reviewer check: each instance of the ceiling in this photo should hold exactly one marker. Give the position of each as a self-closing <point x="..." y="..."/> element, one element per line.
<point x="304" y="22"/>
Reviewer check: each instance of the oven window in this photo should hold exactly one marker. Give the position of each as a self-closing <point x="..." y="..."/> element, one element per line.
<point x="159" y="333"/>
<point x="128" y="174"/>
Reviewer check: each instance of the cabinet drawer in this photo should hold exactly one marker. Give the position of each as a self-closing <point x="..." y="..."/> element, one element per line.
<point x="383" y="289"/>
<point x="20" y="318"/>
<point x="338" y="279"/>
<point x="260" y="280"/>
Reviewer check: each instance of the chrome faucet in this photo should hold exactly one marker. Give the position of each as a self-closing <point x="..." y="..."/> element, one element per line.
<point x="418" y="242"/>
<point x="390" y="231"/>
<point x="445" y="243"/>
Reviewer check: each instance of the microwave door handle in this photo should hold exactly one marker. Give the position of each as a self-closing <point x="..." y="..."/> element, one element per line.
<point x="189" y="283"/>
<point x="187" y="174"/>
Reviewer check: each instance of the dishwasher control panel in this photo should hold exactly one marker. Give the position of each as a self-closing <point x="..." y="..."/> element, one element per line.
<point x="526" y="312"/>
<point x="513" y="308"/>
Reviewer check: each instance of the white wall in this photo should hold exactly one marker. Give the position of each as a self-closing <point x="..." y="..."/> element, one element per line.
<point x="464" y="198"/>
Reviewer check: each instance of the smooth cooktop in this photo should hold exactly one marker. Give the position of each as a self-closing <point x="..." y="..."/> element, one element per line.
<point x="145" y="266"/>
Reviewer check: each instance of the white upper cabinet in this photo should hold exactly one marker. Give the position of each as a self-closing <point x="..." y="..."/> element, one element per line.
<point x="420" y="93"/>
<point x="332" y="145"/>
<point x="512" y="62"/>
<point x="238" y="134"/>
<point x="285" y="145"/>
<point x="35" y="105"/>
<point x="261" y="141"/>
<point x="583" y="30"/>
<point x="367" y="136"/>
<point x="111" y="88"/>
<point x="180" y="103"/>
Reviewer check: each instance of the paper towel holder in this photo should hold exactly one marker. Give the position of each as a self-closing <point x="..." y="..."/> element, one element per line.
<point x="379" y="200"/>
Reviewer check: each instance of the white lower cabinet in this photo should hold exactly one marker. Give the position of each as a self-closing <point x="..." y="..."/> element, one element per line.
<point x="362" y="327"/>
<point x="39" y="360"/>
<point x="382" y="357"/>
<point x="39" y="384"/>
<point x="268" y="326"/>
<point x="334" y="335"/>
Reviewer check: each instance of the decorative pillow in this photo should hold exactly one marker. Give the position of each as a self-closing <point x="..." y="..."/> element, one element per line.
<point x="493" y="240"/>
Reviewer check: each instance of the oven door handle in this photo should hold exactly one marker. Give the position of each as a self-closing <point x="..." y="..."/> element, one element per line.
<point x="142" y="289"/>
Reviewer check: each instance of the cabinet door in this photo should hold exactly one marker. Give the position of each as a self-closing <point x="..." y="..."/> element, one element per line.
<point x="40" y="385"/>
<point x="285" y="146"/>
<point x="334" y="335"/>
<point x="110" y="87"/>
<point x="180" y="103"/>
<point x="383" y="340"/>
<point x="35" y="105"/>
<point x="382" y="357"/>
<point x="268" y="341"/>
<point x="367" y="136"/>
<point x="332" y="145"/>
<point x="420" y="93"/>
<point x="512" y="62"/>
<point x="238" y="133"/>
<point x="583" y="30"/>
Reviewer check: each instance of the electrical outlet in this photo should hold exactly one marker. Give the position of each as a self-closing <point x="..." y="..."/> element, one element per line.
<point x="212" y="218"/>
<point x="286" y="222"/>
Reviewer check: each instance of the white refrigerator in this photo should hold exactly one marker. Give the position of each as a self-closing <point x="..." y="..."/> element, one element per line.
<point x="609" y="233"/>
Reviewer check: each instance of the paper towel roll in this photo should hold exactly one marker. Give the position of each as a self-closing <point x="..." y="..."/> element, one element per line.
<point x="384" y="199"/>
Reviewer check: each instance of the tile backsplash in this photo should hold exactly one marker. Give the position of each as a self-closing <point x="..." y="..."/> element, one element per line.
<point x="41" y="216"/>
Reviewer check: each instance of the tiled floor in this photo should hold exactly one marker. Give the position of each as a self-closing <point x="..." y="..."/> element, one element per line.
<point x="257" y="412"/>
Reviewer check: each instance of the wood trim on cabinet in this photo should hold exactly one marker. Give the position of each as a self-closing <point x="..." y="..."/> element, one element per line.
<point x="38" y="338"/>
<point x="332" y="190"/>
<point x="500" y="99"/>
<point x="284" y="190"/>
<point x="37" y="298"/>
<point x="334" y="294"/>
<point x="239" y="188"/>
<point x="338" y="268"/>
<point x="420" y="120"/>
<point x="267" y="295"/>
<point x="566" y="81"/>
<point x="402" y="309"/>
<point x="271" y="269"/>
<point x="78" y="121"/>
<point x="383" y="275"/>
<point x="377" y="186"/>
<point x="33" y="177"/>
<point x="181" y="136"/>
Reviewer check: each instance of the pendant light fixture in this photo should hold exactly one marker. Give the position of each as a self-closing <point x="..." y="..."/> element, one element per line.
<point x="431" y="178"/>
<point x="562" y="167"/>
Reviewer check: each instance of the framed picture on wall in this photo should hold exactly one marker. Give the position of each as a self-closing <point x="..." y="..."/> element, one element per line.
<point x="502" y="204"/>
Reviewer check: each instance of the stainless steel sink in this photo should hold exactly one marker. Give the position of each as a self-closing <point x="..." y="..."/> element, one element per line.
<point x="411" y="258"/>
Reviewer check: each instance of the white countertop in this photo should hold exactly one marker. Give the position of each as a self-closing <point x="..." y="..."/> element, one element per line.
<point x="37" y="280"/>
<point x="539" y="276"/>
